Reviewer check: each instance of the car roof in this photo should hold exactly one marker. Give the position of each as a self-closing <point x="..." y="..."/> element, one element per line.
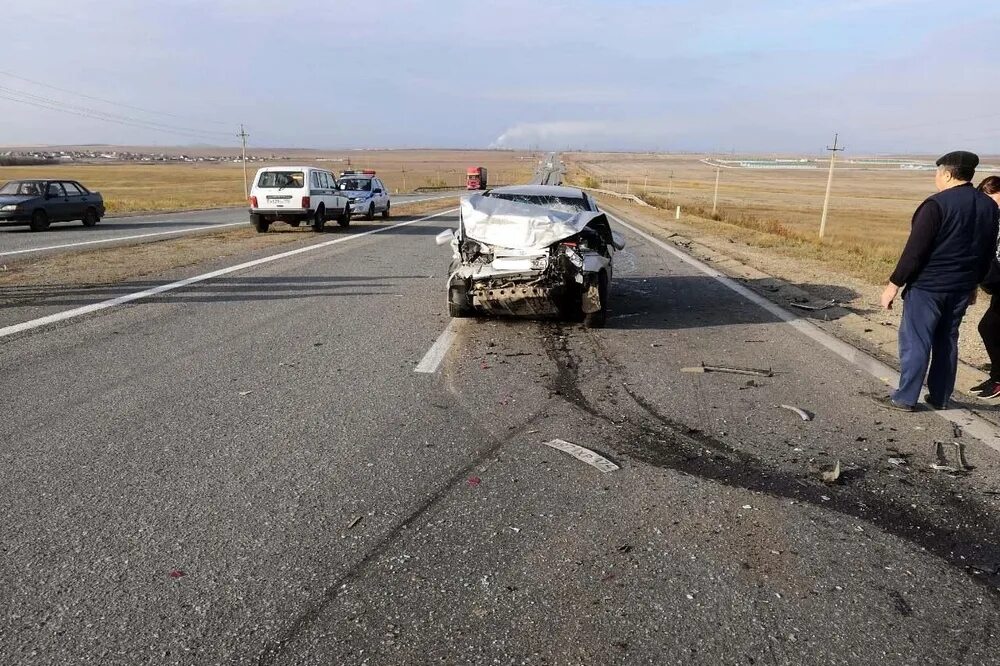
<point x="41" y="180"/>
<point x="291" y="168"/>
<point x="540" y="191"/>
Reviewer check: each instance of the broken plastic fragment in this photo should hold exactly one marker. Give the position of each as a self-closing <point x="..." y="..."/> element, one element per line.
<point x="803" y="414"/>
<point x="584" y="455"/>
<point x="177" y="573"/>
<point x="831" y="476"/>
<point x="474" y="481"/>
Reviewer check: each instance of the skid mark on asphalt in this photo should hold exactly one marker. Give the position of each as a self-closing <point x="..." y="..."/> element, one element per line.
<point x="973" y="424"/>
<point x="960" y="533"/>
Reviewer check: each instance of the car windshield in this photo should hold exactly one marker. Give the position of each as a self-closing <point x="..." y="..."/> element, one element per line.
<point x="281" y="179"/>
<point x="564" y="204"/>
<point x="29" y="188"/>
<point x="356" y="184"/>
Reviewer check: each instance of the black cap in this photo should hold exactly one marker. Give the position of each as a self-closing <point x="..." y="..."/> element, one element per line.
<point x="959" y="158"/>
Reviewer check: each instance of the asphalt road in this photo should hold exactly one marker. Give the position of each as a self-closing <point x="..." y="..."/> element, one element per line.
<point x="249" y="471"/>
<point x="19" y="241"/>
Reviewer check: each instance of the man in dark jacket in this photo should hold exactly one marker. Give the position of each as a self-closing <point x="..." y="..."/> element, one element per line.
<point x="952" y="241"/>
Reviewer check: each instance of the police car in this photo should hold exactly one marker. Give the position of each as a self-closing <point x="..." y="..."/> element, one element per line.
<point x="366" y="191"/>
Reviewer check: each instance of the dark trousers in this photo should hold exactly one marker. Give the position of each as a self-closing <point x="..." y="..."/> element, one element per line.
<point x="929" y="336"/>
<point x="989" y="330"/>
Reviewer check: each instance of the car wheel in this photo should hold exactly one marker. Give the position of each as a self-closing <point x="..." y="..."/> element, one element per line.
<point x="319" y="219"/>
<point x="39" y="220"/>
<point x="599" y="318"/>
<point x="458" y="303"/>
<point x="259" y="223"/>
<point x="90" y="217"/>
<point x="371" y="212"/>
<point x="385" y="213"/>
<point x="344" y="219"/>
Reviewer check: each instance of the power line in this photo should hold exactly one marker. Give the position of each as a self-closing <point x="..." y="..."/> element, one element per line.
<point x="96" y="114"/>
<point x="106" y="101"/>
<point x="41" y="105"/>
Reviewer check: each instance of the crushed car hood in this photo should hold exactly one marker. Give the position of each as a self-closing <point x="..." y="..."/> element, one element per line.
<point x="519" y="226"/>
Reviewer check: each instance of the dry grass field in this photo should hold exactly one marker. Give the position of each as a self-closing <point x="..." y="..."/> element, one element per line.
<point x="140" y="187"/>
<point x="869" y="216"/>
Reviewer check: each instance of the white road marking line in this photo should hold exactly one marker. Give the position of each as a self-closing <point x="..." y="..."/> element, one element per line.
<point x="159" y="289"/>
<point x="122" y="238"/>
<point x="173" y="232"/>
<point x="971" y="423"/>
<point x="432" y="359"/>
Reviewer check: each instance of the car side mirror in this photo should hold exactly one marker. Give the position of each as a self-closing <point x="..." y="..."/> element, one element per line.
<point x="445" y="237"/>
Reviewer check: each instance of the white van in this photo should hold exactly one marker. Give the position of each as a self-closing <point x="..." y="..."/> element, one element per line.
<point x="295" y="193"/>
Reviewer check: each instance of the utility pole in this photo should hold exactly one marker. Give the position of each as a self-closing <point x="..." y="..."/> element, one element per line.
<point x="715" y="199"/>
<point x="403" y="169"/>
<point x="246" y="186"/>
<point x="670" y="185"/>
<point x="829" y="183"/>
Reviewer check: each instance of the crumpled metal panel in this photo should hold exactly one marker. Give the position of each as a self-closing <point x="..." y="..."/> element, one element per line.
<point x="521" y="226"/>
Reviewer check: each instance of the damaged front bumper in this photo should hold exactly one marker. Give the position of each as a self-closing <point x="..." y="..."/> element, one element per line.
<point x="558" y="285"/>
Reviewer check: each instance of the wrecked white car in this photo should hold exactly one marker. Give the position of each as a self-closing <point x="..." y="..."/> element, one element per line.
<point x="512" y="257"/>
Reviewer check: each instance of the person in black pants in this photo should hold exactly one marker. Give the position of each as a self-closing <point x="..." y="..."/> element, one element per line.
<point x="989" y="325"/>
<point x="951" y="246"/>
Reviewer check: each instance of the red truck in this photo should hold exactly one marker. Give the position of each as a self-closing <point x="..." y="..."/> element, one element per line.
<point x="475" y="178"/>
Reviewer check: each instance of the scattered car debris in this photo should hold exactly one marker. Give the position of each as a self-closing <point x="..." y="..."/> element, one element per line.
<point x="703" y="368"/>
<point x="474" y="481"/>
<point x="832" y="475"/>
<point x="245" y="393"/>
<point x="944" y="465"/>
<point x="583" y="455"/>
<point x="803" y="414"/>
<point x="813" y="308"/>
<point x="896" y="461"/>
<point x="747" y="507"/>
<point x="354" y="523"/>
<point x="956" y="431"/>
<point x="176" y="573"/>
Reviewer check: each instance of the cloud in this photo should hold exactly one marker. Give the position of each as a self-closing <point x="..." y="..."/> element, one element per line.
<point x="579" y="133"/>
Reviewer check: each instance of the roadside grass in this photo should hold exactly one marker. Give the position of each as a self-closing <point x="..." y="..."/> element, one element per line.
<point x="145" y="188"/>
<point x="779" y="211"/>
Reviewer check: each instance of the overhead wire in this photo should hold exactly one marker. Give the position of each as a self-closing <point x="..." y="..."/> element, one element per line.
<point x="40" y="101"/>
<point x="107" y="101"/>
<point x="117" y="120"/>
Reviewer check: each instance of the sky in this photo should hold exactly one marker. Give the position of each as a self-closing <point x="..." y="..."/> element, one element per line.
<point x="747" y="76"/>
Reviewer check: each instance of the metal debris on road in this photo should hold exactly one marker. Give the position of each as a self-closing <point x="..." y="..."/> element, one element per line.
<point x="245" y="393"/>
<point x="944" y="465"/>
<point x="354" y="523"/>
<point x="703" y="368"/>
<point x="583" y="455"/>
<point x="831" y="475"/>
<point x="896" y="461"/>
<point x="804" y="415"/>
<point x="813" y="308"/>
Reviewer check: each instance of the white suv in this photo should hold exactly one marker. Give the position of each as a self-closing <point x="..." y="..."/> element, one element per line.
<point x="295" y="193"/>
<point x="368" y="194"/>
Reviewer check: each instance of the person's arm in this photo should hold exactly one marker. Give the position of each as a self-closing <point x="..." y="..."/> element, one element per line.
<point x="926" y="223"/>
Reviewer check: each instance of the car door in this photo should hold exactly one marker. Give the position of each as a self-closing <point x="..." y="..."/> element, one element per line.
<point x="57" y="204"/>
<point x="329" y="184"/>
<point x="76" y="200"/>
<point x="381" y="196"/>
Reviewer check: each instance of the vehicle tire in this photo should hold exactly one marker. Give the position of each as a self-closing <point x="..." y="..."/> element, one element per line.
<point x="458" y="303"/>
<point x="599" y="318"/>
<point x="39" y="220"/>
<point x="344" y="219"/>
<point x="371" y="212"/>
<point x="385" y="213"/>
<point x="319" y="219"/>
<point x="90" y="217"/>
<point x="259" y="223"/>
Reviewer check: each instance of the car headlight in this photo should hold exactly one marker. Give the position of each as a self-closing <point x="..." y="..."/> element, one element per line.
<point x="9" y="207"/>
<point x="573" y="256"/>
